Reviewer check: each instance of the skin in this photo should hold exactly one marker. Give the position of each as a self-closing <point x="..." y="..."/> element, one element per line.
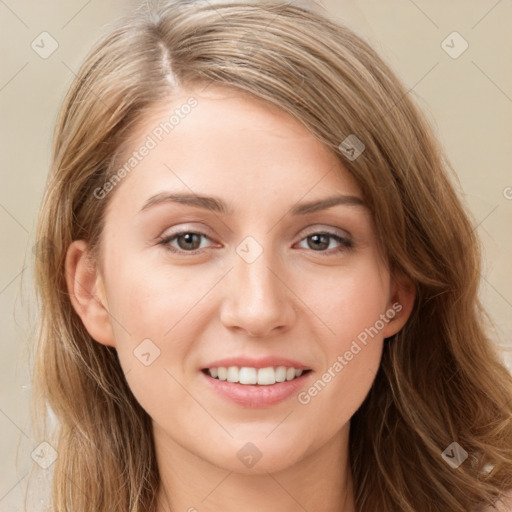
<point x="295" y="300"/>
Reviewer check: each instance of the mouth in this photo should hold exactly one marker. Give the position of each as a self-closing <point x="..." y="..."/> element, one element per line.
<point x="251" y="387"/>
<point x="247" y="375"/>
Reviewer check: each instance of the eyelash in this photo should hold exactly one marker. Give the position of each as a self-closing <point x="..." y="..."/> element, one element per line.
<point x="345" y="243"/>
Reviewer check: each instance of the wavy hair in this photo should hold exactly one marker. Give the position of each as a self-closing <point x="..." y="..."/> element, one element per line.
<point x="441" y="379"/>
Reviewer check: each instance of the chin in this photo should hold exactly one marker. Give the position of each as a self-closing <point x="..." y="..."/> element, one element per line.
<point x="258" y="456"/>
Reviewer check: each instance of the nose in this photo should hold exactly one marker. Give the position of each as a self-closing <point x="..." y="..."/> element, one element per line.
<point x="258" y="299"/>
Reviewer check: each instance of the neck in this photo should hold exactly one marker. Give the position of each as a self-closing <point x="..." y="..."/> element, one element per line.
<point x="322" y="479"/>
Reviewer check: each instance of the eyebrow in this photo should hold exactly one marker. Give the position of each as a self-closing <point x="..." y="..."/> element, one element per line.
<point x="217" y="205"/>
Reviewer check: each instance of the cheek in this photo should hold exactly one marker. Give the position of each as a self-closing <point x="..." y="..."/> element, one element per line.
<point x="352" y="351"/>
<point x="338" y="392"/>
<point x="350" y="307"/>
<point x="153" y="349"/>
<point x="148" y="299"/>
<point x="348" y="303"/>
<point x="154" y="314"/>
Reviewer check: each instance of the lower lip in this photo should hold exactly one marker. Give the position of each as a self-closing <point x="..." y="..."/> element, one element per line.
<point x="252" y="395"/>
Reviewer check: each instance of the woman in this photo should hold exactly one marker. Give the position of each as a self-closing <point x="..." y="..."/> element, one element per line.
<point x="259" y="287"/>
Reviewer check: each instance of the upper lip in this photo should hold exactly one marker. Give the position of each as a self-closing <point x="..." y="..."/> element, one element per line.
<point x="262" y="362"/>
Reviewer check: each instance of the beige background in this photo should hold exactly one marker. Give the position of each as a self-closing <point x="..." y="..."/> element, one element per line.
<point x="468" y="99"/>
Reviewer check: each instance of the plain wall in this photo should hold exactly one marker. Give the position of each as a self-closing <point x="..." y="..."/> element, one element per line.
<point x="468" y="99"/>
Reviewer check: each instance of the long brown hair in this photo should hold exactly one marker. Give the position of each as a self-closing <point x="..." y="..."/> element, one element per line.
<point x="441" y="380"/>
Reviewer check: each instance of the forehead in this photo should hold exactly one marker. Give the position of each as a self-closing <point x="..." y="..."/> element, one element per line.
<point x="232" y="144"/>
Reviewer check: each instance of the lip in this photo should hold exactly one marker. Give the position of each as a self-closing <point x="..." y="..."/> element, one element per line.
<point x="253" y="395"/>
<point x="262" y="362"/>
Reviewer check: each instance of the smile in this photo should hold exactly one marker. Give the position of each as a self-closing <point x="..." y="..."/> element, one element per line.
<point x="260" y="376"/>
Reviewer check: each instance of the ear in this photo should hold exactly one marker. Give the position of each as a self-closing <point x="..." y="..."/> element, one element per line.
<point x="87" y="293"/>
<point x="400" y="304"/>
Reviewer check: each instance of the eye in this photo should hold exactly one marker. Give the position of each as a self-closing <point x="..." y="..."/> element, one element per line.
<point x="320" y="241"/>
<point x="187" y="241"/>
<point x="190" y="242"/>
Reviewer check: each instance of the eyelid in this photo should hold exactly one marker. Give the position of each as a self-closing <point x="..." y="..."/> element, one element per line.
<point x="314" y="229"/>
<point x="179" y="229"/>
<point x="311" y="230"/>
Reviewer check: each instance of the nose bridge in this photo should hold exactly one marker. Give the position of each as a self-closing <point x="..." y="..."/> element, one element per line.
<point x="255" y="281"/>
<point x="257" y="300"/>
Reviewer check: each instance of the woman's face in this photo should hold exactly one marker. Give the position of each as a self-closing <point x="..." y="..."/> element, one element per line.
<point x="240" y="265"/>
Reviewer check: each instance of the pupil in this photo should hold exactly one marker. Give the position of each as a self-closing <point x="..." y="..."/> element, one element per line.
<point x="189" y="239"/>
<point x="316" y="239"/>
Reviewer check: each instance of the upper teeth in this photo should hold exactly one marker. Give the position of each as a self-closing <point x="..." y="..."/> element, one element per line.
<point x="247" y="375"/>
